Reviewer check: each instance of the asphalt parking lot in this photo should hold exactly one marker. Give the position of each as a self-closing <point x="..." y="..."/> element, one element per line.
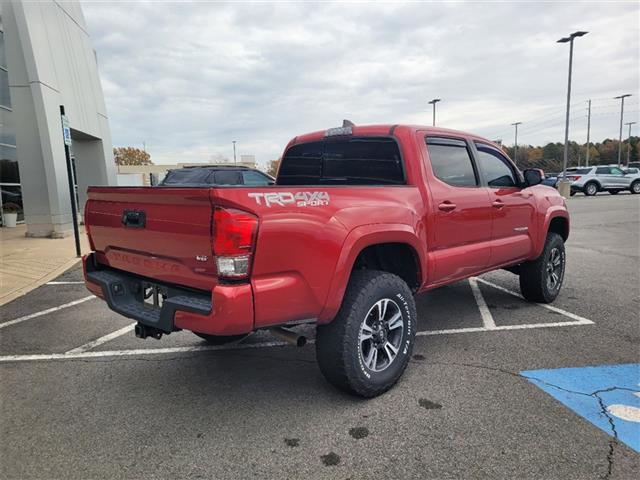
<point x="81" y="397"/>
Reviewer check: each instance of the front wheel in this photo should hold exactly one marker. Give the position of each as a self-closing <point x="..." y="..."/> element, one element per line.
<point x="541" y="279"/>
<point x="635" y="187"/>
<point x="366" y="348"/>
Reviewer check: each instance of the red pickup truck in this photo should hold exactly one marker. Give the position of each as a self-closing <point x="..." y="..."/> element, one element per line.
<point x="360" y="219"/>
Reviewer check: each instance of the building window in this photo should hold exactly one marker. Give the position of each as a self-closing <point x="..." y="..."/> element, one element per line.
<point x="5" y="99"/>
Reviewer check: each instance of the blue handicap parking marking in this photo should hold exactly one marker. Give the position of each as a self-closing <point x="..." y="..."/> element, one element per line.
<point x="590" y="391"/>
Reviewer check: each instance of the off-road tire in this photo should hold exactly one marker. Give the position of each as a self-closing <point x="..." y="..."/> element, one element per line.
<point x="339" y="348"/>
<point x="219" y="339"/>
<point x="635" y="187"/>
<point x="588" y="190"/>
<point x="533" y="274"/>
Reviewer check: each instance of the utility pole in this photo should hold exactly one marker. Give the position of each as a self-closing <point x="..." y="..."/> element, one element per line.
<point x="629" y="142"/>
<point x="621" y="97"/>
<point x="568" y="39"/>
<point x="515" y="151"/>
<point x="433" y="102"/>
<point x="588" y="132"/>
<point x="234" y="151"/>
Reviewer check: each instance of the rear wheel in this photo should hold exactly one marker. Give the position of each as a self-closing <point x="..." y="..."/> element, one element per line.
<point x="635" y="187"/>
<point x="541" y="279"/>
<point x="366" y="348"/>
<point x="219" y="339"/>
<point x="590" y="189"/>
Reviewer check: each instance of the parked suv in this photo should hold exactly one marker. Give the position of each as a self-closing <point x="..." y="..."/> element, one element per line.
<point x="600" y="178"/>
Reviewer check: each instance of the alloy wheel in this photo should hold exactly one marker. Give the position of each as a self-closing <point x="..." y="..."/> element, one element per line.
<point x="555" y="269"/>
<point x="381" y="334"/>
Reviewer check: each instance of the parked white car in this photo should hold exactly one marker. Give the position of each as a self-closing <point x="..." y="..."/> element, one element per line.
<point x="600" y="178"/>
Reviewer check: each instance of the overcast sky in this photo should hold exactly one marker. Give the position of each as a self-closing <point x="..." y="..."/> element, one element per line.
<point x="189" y="78"/>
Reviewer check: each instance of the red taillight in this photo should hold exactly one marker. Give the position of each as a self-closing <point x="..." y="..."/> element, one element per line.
<point x="574" y="177"/>
<point x="234" y="233"/>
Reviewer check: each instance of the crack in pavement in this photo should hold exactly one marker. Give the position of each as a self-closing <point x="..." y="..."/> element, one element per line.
<point x="595" y="394"/>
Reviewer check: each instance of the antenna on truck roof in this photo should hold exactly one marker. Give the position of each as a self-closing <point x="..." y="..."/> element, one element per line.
<point x="347" y="123"/>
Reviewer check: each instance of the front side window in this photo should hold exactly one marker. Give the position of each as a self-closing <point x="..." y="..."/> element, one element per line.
<point x="616" y="171"/>
<point x="495" y="167"/>
<point x="451" y="162"/>
<point x="343" y="161"/>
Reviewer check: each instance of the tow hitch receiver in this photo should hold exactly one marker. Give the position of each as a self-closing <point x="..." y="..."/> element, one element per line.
<point x="144" y="331"/>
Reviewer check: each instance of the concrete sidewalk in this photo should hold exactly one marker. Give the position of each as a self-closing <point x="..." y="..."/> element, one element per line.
<point x="26" y="263"/>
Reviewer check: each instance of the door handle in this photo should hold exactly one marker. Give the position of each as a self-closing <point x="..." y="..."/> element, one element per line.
<point x="447" y="206"/>
<point x="498" y="204"/>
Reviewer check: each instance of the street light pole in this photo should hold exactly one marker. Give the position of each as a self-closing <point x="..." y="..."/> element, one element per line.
<point x="569" y="39"/>
<point x="621" y="97"/>
<point x="588" y="132"/>
<point x="433" y="102"/>
<point x="515" y="151"/>
<point x="234" y="151"/>
<point x="629" y="142"/>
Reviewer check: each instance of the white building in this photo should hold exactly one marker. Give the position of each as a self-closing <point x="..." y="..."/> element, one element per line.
<point x="46" y="61"/>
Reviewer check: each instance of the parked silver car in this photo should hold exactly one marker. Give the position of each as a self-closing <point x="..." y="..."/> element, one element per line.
<point x="600" y="178"/>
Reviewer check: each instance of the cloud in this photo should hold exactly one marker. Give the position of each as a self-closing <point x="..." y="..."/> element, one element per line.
<point x="189" y="78"/>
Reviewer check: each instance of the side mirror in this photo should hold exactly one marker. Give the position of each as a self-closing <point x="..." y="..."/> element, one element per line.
<point x="533" y="176"/>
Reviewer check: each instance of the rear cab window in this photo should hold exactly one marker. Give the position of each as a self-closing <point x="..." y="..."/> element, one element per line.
<point x="343" y="161"/>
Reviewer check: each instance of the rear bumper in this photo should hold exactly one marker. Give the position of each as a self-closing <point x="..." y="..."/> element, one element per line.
<point x="226" y="310"/>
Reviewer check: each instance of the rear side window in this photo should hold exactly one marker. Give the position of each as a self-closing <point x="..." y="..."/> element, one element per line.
<point x="343" y="161"/>
<point x="451" y="162"/>
<point x="227" y="177"/>
<point x="255" y="178"/>
<point x="579" y="171"/>
<point x="188" y="176"/>
<point x="603" y="171"/>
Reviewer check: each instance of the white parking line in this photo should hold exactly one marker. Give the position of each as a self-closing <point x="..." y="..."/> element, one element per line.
<point x="577" y="318"/>
<point x="101" y="340"/>
<point x="487" y="318"/>
<point x="241" y="346"/>
<point x="45" y="312"/>
<point x="141" y="351"/>
<point x="525" y="326"/>
<point x="65" y="283"/>
<point x="82" y="351"/>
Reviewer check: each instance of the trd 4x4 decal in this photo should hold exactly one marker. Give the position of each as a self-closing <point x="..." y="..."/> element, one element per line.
<point x="300" y="199"/>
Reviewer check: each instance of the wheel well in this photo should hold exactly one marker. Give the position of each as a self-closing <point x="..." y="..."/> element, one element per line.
<point x="397" y="258"/>
<point x="595" y="182"/>
<point x="560" y="226"/>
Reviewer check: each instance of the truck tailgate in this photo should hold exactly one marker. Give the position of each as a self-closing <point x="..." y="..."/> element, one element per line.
<point x="158" y="233"/>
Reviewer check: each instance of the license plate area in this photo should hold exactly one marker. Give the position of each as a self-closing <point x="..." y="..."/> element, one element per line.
<point x="153" y="295"/>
